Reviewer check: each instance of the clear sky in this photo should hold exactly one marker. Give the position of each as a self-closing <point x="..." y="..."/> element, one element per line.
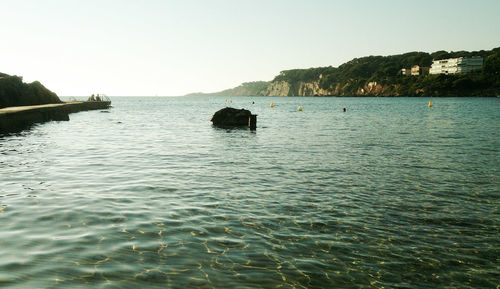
<point x="173" y="47"/>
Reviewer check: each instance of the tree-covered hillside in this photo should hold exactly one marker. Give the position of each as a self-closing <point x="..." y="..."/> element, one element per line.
<point x="380" y="76"/>
<point x="352" y="77"/>
<point x="14" y="92"/>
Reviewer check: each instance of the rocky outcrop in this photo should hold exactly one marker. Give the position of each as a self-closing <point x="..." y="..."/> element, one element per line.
<point x="376" y="89"/>
<point x="231" y="117"/>
<point x="301" y="88"/>
<point x="278" y="88"/>
<point x="348" y="88"/>
<point x="14" y="92"/>
<point x="312" y="88"/>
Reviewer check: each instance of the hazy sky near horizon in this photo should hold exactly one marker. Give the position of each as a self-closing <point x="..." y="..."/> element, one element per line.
<point x="174" y="47"/>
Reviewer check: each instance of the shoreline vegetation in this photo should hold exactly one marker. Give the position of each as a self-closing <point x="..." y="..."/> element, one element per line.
<point x="14" y="92"/>
<point x="380" y="76"/>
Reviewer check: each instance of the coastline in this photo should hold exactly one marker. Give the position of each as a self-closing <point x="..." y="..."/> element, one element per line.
<point x="18" y="118"/>
<point x="311" y="89"/>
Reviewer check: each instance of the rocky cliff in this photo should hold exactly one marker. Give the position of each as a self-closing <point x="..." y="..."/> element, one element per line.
<point x="312" y="88"/>
<point x="301" y="88"/>
<point x="371" y="88"/>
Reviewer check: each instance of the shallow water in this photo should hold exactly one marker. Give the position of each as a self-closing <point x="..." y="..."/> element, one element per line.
<point x="389" y="194"/>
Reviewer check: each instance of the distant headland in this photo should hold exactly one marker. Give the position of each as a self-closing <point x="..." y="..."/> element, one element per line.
<point x="442" y="73"/>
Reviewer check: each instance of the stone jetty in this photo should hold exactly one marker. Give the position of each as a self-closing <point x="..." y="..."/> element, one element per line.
<point x="14" y="119"/>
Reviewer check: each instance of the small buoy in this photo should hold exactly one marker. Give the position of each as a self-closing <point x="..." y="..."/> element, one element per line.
<point x="299" y="108"/>
<point x="430" y="104"/>
<point x="344" y="109"/>
<point x="272" y="104"/>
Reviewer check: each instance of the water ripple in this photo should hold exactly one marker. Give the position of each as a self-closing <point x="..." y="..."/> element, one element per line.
<point x="390" y="194"/>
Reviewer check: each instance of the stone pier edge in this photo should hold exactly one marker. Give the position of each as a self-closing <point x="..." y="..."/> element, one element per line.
<point x="15" y="119"/>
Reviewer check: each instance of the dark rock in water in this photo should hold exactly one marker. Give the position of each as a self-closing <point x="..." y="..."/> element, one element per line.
<point x="231" y="117"/>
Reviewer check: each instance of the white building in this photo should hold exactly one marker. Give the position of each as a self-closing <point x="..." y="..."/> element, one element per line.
<point x="419" y="70"/>
<point x="456" y="65"/>
<point x="405" y="71"/>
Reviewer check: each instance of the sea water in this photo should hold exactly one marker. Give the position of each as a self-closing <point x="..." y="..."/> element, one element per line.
<point x="390" y="193"/>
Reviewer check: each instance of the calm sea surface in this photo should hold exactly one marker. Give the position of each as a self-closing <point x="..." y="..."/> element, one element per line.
<point x="389" y="194"/>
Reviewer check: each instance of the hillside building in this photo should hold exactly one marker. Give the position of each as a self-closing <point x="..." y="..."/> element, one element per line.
<point x="415" y="70"/>
<point x="419" y="70"/>
<point x="405" y="71"/>
<point x="456" y="65"/>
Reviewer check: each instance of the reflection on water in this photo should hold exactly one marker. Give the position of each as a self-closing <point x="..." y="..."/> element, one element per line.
<point x="390" y="193"/>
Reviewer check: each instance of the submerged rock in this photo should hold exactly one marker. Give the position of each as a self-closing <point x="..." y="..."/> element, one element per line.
<point x="232" y="117"/>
